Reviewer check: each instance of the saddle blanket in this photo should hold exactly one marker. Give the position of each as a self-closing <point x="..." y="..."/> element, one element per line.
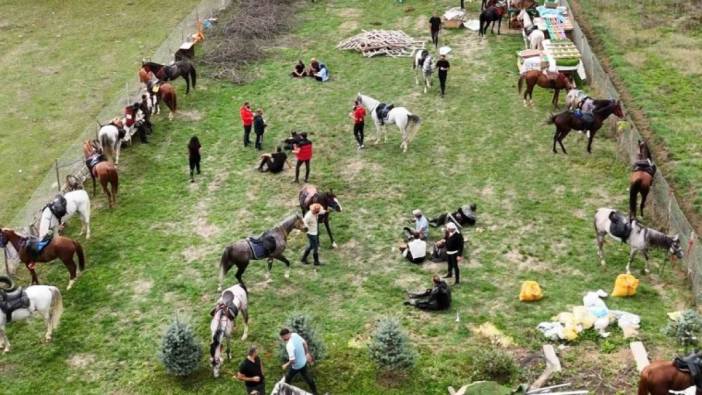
<point x="261" y="247"/>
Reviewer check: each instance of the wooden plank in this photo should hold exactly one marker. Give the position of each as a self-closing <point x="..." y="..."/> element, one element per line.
<point x="551" y="358"/>
<point x="640" y="355"/>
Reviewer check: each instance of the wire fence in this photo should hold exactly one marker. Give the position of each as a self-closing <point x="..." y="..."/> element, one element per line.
<point x="665" y="206"/>
<point x="71" y="162"/>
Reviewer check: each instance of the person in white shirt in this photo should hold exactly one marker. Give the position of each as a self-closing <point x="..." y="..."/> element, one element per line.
<point x="312" y="225"/>
<point x="416" y="250"/>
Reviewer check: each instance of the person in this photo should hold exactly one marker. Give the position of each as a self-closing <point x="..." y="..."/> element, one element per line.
<point x="251" y="373"/>
<point x="314" y="68"/>
<point x="311" y="220"/>
<point x="463" y="216"/>
<point x="274" y="162"/>
<point x="443" y="66"/>
<point x="416" y="250"/>
<point x="454" y="251"/>
<point x="323" y="74"/>
<point x="298" y="70"/>
<point x="246" y="120"/>
<point x="259" y="125"/>
<point x="435" y="26"/>
<point x="299" y="358"/>
<point x="303" y="153"/>
<point x="194" y="156"/>
<point x="289" y="143"/>
<point x="358" y="114"/>
<point x="438" y="297"/>
<point x="421" y="226"/>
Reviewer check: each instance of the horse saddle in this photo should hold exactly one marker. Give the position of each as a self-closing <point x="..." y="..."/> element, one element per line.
<point x="619" y="226"/>
<point x="13" y="300"/>
<point x="586" y="118"/>
<point x="35" y="245"/>
<point x="227" y="308"/>
<point x="93" y="160"/>
<point x="530" y="29"/>
<point x="261" y="247"/>
<point x="382" y="112"/>
<point x="58" y="207"/>
<point x="692" y="365"/>
<point x="645" y="165"/>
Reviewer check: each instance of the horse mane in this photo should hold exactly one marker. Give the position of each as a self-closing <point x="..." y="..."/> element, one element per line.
<point x="658" y="239"/>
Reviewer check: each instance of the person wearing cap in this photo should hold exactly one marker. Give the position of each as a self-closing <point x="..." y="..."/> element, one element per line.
<point x="454" y="251"/>
<point x="251" y="373"/>
<point x="415" y="250"/>
<point x="421" y="226"/>
<point x="312" y="224"/>
<point x="247" y="118"/>
<point x="443" y="66"/>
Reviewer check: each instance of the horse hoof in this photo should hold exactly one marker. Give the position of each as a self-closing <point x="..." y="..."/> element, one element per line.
<point x="334" y="245"/>
<point x="244" y="337"/>
<point x="287" y="275"/>
<point x="70" y="285"/>
<point x="646" y="271"/>
<point x="602" y="262"/>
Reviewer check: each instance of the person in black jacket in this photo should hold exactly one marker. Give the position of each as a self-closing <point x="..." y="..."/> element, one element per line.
<point x="436" y="298"/>
<point x="259" y="125"/>
<point x="454" y="251"/>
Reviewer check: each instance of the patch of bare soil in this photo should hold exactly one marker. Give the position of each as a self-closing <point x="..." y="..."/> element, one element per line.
<point x="194" y="253"/>
<point x="81" y="361"/>
<point x="142" y="287"/>
<point x="192" y="115"/>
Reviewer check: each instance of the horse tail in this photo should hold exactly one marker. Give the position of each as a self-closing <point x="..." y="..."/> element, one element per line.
<point x="551" y="119"/>
<point x="643" y="382"/>
<point x="193" y="75"/>
<point x="634" y="189"/>
<point x="56" y="309"/>
<point x="174" y="101"/>
<point x="519" y="85"/>
<point x="414" y="122"/>
<point x="81" y="256"/>
<point x="105" y="141"/>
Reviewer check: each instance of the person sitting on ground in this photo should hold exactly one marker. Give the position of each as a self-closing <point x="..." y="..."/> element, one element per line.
<point x="438" y="253"/>
<point x="421" y="226"/>
<point x="436" y="298"/>
<point x="323" y="74"/>
<point x="298" y="70"/>
<point x="314" y="68"/>
<point x="274" y="162"/>
<point x="463" y="216"/>
<point x="416" y="250"/>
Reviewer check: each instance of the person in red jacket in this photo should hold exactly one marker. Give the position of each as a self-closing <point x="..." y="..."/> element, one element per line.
<point x="247" y="120"/>
<point x="358" y="115"/>
<point x="303" y="153"/>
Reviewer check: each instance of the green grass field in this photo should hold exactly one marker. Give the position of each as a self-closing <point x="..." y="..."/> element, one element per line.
<point x="62" y="62"/>
<point x="655" y="49"/>
<point x="155" y="255"/>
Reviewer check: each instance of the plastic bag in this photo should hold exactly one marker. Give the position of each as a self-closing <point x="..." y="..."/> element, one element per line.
<point x="531" y="292"/>
<point x="625" y="285"/>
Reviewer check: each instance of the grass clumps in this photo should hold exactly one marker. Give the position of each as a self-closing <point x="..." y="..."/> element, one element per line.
<point x="493" y="363"/>
<point x="685" y="329"/>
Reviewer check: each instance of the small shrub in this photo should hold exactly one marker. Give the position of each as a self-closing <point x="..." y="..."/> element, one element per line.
<point x="492" y="363"/>
<point x="389" y="347"/>
<point x="180" y="351"/>
<point x="686" y="329"/>
<point x="303" y="326"/>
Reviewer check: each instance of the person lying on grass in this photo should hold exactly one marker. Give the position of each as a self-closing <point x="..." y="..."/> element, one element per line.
<point x="438" y="297"/>
<point x="274" y="162"/>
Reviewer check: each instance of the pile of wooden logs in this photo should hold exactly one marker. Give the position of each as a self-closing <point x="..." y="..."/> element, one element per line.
<point x="382" y="42"/>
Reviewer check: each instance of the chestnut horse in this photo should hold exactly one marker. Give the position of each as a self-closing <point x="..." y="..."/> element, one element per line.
<point x="537" y="77"/>
<point x="158" y="91"/>
<point x="568" y="120"/>
<point x="661" y="377"/>
<point x="641" y="179"/>
<point x="101" y="169"/>
<point x="60" y="247"/>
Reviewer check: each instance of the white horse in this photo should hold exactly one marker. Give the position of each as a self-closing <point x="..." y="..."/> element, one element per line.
<point x="533" y="36"/>
<point x="423" y="63"/>
<point x="77" y="201"/>
<point x="407" y="122"/>
<point x="110" y="141"/>
<point x="232" y="300"/>
<point x="43" y="299"/>
<point x="640" y="238"/>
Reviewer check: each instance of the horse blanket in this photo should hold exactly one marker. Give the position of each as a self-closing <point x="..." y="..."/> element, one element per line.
<point x="261" y="247"/>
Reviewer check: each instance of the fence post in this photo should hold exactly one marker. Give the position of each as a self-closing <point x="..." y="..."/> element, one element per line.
<point x="58" y="179"/>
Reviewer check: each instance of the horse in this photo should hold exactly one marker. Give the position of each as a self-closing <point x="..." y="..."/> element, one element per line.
<point x="537" y="77"/>
<point x="423" y="64"/>
<point x="137" y="119"/>
<point x="110" y="137"/>
<point x="568" y="120"/>
<point x="490" y="15"/>
<point x="59" y="247"/>
<point x="182" y="68"/>
<point x="640" y="238"/>
<point x="533" y="37"/>
<point x="407" y="122"/>
<point x="163" y="92"/>
<point x="241" y="252"/>
<point x="641" y="179"/>
<point x="101" y="169"/>
<point x="309" y="194"/>
<point x="233" y="300"/>
<point x="663" y="377"/>
<point x="23" y="303"/>
<point x="77" y="201"/>
<point x="487" y="3"/>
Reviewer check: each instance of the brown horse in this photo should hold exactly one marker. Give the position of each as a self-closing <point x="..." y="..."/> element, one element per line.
<point x="159" y="91"/>
<point x="309" y="194"/>
<point x="589" y="123"/>
<point x="101" y="169"/>
<point x="641" y="179"/>
<point x="59" y="247"/>
<point x="660" y="377"/>
<point x="537" y="77"/>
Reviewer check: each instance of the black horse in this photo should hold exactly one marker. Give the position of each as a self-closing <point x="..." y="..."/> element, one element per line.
<point x="491" y="15"/>
<point x="588" y="123"/>
<point x="309" y="195"/>
<point x="182" y="68"/>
